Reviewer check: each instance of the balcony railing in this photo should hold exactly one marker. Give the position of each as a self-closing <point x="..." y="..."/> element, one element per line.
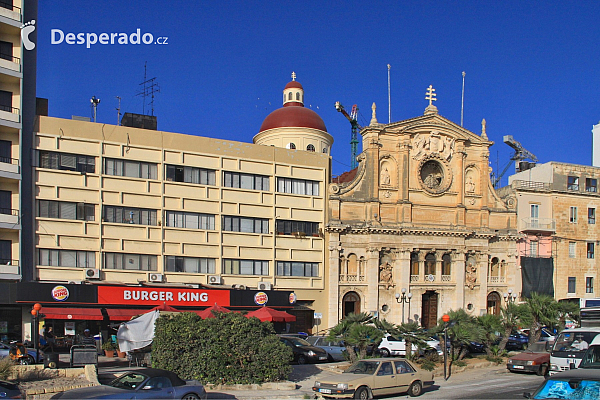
<point x="11" y="58"/>
<point x="9" y="211"/>
<point x="10" y="109"/>
<point x="352" y="278"/>
<point x="446" y="278"/>
<point x="519" y="184"/>
<point x="8" y="160"/>
<point x="496" y="279"/>
<point x="539" y="224"/>
<point x="7" y="6"/>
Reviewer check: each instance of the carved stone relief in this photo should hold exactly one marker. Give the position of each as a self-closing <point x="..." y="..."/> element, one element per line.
<point x="433" y="143"/>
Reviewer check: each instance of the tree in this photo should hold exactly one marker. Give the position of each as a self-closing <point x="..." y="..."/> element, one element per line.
<point x="464" y="329"/>
<point x="492" y="325"/>
<point x="541" y="310"/>
<point x="412" y="333"/>
<point x="511" y="316"/>
<point x="567" y="310"/>
<point x="356" y="330"/>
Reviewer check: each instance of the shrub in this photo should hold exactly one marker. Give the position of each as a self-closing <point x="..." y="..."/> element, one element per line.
<point x="460" y="363"/>
<point x="5" y="365"/>
<point x="109" y="345"/>
<point x="227" y="349"/>
<point x="428" y="365"/>
<point x="495" y="359"/>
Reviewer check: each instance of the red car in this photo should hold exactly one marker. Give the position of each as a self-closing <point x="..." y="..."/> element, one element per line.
<point x="535" y="359"/>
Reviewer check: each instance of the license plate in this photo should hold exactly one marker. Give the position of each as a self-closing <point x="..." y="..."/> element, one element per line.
<point x="322" y="358"/>
<point x="328" y="391"/>
<point x="518" y="367"/>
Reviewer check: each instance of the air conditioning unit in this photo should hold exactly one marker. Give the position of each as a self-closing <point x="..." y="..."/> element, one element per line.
<point x="156" y="277"/>
<point x="238" y="287"/>
<point x="215" y="280"/>
<point x="75" y="282"/>
<point x="264" y="285"/>
<point x="91" y="273"/>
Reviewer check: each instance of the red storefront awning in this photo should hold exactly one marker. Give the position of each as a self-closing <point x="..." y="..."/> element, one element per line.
<point x="123" y="314"/>
<point x="93" y="314"/>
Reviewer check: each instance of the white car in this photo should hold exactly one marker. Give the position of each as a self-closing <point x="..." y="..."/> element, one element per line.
<point x="397" y="347"/>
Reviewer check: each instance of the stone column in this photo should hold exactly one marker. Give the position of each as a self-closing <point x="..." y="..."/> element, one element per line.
<point x="438" y="265"/>
<point x="371" y="301"/>
<point x="482" y="267"/>
<point x="333" y="315"/>
<point x="458" y="271"/>
<point x="421" y="256"/>
<point x="402" y="280"/>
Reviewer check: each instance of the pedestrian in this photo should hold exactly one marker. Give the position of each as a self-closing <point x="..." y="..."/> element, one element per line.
<point x="87" y="338"/>
<point x="49" y="337"/>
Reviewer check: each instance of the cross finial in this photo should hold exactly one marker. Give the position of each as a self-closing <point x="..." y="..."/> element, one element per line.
<point x="430" y="95"/>
<point x="293" y="76"/>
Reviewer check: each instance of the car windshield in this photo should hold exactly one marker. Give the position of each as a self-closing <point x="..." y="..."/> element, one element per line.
<point x="574" y="389"/>
<point x="591" y="359"/>
<point x="537" y="347"/>
<point x="363" y="367"/>
<point x="297" y="341"/>
<point x="573" y="341"/>
<point x="129" y="381"/>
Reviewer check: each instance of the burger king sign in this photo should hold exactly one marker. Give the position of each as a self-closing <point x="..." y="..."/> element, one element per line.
<point x="60" y="293"/>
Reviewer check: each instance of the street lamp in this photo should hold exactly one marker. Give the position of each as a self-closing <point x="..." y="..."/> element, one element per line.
<point x="446" y="319"/>
<point x="404" y="299"/>
<point x="510" y="297"/>
<point x="35" y="313"/>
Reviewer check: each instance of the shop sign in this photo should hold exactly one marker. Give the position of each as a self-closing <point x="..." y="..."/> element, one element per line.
<point x="70" y="328"/>
<point x="293" y="298"/>
<point x="261" y="298"/>
<point x="170" y="296"/>
<point x="60" y="293"/>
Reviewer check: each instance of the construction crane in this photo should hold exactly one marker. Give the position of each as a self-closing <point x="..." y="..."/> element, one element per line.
<point x="519" y="155"/>
<point x="355" y="129"/>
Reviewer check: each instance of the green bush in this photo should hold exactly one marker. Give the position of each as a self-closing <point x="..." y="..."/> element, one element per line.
<point x="109" y="346"/>
<point x="5" y="365"/>
<point x="227" y="349"/>
<point x="460" y="363"/>
<point x="428" y="365"/>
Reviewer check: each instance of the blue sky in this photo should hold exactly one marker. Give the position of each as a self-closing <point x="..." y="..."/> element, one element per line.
<point x="531" y="67"/>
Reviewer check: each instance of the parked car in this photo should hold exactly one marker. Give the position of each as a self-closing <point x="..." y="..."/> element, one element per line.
<point x="535" y="359"/>
<point x="336" y="350"/>
<point x="397" y="347"/>
<point x="19" y="353"/>
<point x="517" y="341"/>
<point x="374" y="377"/>
<point x="581" y="384"/>
<point x="9" y="390"/>
<point x="303" y="351"/>
<point x="547" y="335"/>
<point x="142" y="383"/>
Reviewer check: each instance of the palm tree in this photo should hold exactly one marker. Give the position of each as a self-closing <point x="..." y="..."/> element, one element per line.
<point x="511" y="316"/>
<point x="542" y="311"/>
<point x="356" y="330"/>
<point x="491" y="324"/>
<point x="412" y="334"/>
<point x="464" y="329"/>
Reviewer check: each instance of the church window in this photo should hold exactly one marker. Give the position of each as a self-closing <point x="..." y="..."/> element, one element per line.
<point x="430" y="264"/>
<point x="324" y="150"/>
<point x="290" y="96"/>
<point x="446" y="265"/>
<point x="310" y="147"/>
<point x="297" y="95"/>
<point x="414" y="263"/>
<point x="291" y="146"/>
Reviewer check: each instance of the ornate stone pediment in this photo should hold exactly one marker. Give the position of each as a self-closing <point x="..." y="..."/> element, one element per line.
<point x="426" y="144"/>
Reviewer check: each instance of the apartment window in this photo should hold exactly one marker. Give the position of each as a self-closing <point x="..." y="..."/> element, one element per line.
<point x="5" y="252"/>
<point x="178" y="219"/>
<point x="297" y="186"/>
<point x="195" y="175"/>
<point x="572" y="249"/>
<point x="591" y="215"/>
<point x="291" y="268"/>
<point x="136" y="262"/>
<point x="245" y="181"/>
<point x="6" y="50"/>
<point x="533" y="248"/>
<point x="589" y="284"/>
<point x="66" y="210"/>
<point x="295" y="227"/>
<point x="130" y="215"/>
<point x="572" y="281"/>
<point x="535" y="215"/>
<point x="590" y="250"/>
<point x="245" y="267"/>
<point x="67" y="258"/>
<point x="591" y="185"/>
<point x="573" y="183"/>
<point x="6" y="101"/>
<point x="573" y="215"/>
<point x="68" y="162"/>
<point x="245" y="224"/>
<point x="193" y="265"/>
<point x="130" y="169"/>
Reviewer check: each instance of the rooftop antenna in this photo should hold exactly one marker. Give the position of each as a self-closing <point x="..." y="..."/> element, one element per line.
<point x="149" y="87"/>
<point x="95" y="101"/>
<point x="118" y="111"/>
<point x="462" y="102"/>
<point x="389" y="97"/>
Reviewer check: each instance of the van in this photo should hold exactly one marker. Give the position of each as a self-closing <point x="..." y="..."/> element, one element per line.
<point x="570" y="347"/>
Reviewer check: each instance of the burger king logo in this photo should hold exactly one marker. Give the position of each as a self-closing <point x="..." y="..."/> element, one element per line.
<point x="293" y="298"/>
<point x="60" y="293"/>
<point x="261" y="298"/>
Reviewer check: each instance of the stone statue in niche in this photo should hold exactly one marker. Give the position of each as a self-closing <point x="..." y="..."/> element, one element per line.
<point x="471" y="273"/>
<point x="385" y="177"/>
<point x="470" y="184"/>
<point x="385" y="275"/>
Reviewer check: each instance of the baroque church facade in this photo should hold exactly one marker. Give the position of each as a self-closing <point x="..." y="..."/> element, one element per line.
<point x="417" y="228"/>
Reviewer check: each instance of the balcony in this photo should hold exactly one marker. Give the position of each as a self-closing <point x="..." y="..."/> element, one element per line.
<point x="9" y="113"/>
<point x="10" y="269"/>
<point x="351" y="278"/>
<point x="547" y="225"/>
<point x="9" y="219"/>
<point x="9" y="62"/>
<point x="496" y="280"/>
<point x="531" y="185"/>
<point x="9" y="11"/>
<point x="10" y="166"/>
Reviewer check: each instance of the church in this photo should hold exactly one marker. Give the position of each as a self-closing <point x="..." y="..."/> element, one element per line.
<point x="417" y="228"/>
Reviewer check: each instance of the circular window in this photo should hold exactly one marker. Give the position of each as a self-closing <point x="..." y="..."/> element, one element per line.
<point x="435" y="176"/>
<point x="470" y="306"/>
<point x="385" y="308"/>
<point x="291" y="146"/>
<point x="310" y="147"/>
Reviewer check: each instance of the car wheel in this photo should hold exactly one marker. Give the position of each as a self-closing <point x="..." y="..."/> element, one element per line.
<point x="361" y="393"/>
<point x="330" y="358"/>
<point x="415" y="389"/>
<point x="301" y="360"/>
<point x="384" y="352"/>
<point x="190" y="396"/>
<point x="25" y="361"/>
<point x="543" y="370"/>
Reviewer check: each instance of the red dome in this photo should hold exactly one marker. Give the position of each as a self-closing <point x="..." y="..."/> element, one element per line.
<point x="295" y="116"/>
<point x="293" y="84"/>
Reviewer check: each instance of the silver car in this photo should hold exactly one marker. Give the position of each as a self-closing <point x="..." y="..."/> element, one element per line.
<point x="336" y="351"/>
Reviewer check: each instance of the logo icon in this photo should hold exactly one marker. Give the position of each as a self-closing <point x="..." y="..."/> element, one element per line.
<point x="60" y="293"/>
<point x="261" y="298"/>
<point x="293" y="298"/>
<point x="26" y="30"/>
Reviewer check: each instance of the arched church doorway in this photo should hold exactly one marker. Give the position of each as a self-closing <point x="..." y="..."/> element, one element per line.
<point x="350" y="303"/>
<point x="493" y="303"/>
<point x="430" y="309"/>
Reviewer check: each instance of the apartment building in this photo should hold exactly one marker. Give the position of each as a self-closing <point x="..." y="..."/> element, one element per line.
<point x="557" y="205"/>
